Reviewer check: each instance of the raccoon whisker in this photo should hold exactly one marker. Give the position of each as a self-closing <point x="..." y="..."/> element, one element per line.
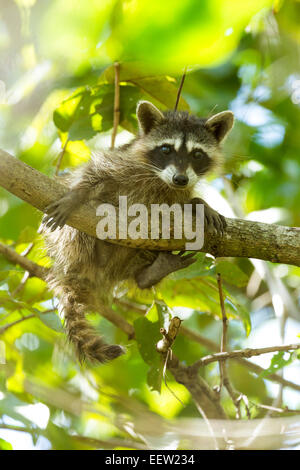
<point x="150" y="166"/>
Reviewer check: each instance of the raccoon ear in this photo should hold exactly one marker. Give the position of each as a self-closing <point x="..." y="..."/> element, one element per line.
<point x="148" y="116"/>
<point x="220" y="124"/>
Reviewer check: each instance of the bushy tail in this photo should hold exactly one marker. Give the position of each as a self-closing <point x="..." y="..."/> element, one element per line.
<point x="88" y="344"/>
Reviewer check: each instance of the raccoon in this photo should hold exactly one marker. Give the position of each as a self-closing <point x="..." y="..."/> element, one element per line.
<point x="162" y="164"/>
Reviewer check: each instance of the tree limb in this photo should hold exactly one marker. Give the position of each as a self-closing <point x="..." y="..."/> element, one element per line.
<point x="204" y="396"/>
<point x="12" y="256"/>
<point x="242" y="238"/>
<point x="248" y="352"/>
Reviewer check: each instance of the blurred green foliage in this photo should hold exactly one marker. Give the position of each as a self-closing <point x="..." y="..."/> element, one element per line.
<point x="56" y="90"/>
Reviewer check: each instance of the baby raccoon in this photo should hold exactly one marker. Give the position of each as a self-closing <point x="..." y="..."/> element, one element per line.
<point x="161" y="165"/>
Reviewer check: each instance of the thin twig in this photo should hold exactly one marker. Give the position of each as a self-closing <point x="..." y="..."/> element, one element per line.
<point x="180" y="89"/>
<point x="222" y="364"/>
<point x="61" y="155"/>
<point x="26" y="275"/>
<point x="28" y="317"/>
<point x="10" y="325"/>
<point x="89" y="441"/>
<point x="116" y="105"/>
<point x="13" y="257"/>
<point x="208" y="424"/>
<point x="21" y="285"/>
<point x="274" y="409"/>
<point x="239" y="353"/>
<point x="235" y="396"/>
<point x="169" y="353"/>
<point x="28" y="249"/>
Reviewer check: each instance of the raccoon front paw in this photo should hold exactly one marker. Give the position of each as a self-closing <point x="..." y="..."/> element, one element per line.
<point x="165" y="263"/>
<point x="172" y="263"/>
<point x="57" y="213"/>
<point x="213" y="221"/>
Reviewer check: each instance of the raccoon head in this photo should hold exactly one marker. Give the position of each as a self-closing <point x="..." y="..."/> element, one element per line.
<point x="181" y="147"/>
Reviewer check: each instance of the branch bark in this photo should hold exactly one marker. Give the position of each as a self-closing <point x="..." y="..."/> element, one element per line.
<point x="242" y="238"/>
<point x="203" y="395"/>
<point x="239" y="353"/>
<point x="12" y="256"/>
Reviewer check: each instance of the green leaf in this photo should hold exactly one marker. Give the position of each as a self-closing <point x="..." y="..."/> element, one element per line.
<point x="10" y="303"/>
<point x="27" y="235"/>
<point x="75" y="113"/>
<point x="160" y="89"/>
<point x="202" y="294"/>
<point x="51" y="320"/>
<point x="155" y="376"/>
<point x="200" y="267"/>
<point x="90" y="110"/>
<point x="4" y="445"/>
<point x="278" y="361"/>
<point x="231" y="273"/>
<point x="147" y="335"/>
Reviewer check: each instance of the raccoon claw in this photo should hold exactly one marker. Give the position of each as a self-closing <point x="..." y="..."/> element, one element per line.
<point x="165" y="263"/>
<point x="213" y="221"/>
<point x="57" y="214"/>
<point x="184" y="261"/>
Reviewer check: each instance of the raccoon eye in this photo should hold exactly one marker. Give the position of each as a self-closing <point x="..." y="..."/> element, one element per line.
<point x="166" y="149"/>
<point x="198" y="153"/>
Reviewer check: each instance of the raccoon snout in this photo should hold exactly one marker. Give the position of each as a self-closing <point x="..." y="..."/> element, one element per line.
<point x="180" y="180"/>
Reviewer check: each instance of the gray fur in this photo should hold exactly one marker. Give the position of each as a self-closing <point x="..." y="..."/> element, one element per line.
<point x="86" y="271"/>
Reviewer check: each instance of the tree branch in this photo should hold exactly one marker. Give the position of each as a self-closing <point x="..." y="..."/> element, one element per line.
<point x="203" y="395"/>
<point x="248" y="352"/>
<point x="12" y="256"/>
<point x="242" y="238"/>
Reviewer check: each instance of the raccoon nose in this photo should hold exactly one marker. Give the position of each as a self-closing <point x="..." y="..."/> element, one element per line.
<point x="180" y="180"/>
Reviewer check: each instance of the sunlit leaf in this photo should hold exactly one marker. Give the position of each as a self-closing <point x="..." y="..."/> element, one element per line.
<point x="231" y="273"/>
<point x="4" y="445"/>
<point x="278" y="361"/>
<point x="51" y="320"/>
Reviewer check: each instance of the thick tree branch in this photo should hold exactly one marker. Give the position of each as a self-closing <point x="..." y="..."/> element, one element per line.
<point x="242" y="238"/>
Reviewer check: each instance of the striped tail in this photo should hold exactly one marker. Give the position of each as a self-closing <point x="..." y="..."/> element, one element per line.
<point x="88" y="344"/>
